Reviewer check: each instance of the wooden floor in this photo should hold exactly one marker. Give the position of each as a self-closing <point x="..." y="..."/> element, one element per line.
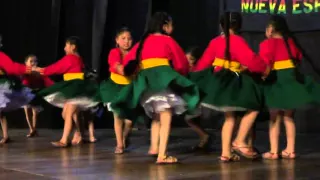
<point x="35" y="159"/>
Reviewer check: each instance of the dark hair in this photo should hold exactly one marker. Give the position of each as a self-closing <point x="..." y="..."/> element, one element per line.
<point x="155" y="25"/>
<point x="230" y="20"/>
<point x="29" y="56"/>
<point x="280" y="25"/>
<point x="195" y="51"/>
<point x="74" y="40"/>
<point x="122" y="30"/>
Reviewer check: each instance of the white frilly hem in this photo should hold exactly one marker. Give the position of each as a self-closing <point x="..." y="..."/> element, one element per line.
<point x="83" y="103"/>
<point x="154" y="103"/>
<point x="223" y="108"/>
<point x="11" y="100"/>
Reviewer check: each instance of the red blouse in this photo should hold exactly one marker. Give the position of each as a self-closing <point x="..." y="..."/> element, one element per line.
<point x="12" y="68"/>
<point x="36" y="82"/>
<point x="274" y="49"/>
<point x="161" y="46"/>
<point x="68" y="64"/>
<point x="114" y="59"/>
<point x="239" y="51"/>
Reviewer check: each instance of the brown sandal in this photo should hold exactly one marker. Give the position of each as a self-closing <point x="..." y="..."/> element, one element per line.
<point x="167" y="160"/>
<point x="248" y="153"/>
<point x="232" y="158"/>
<point x="59" y="144"/>
<point x="286" y="155"/>
<point x="270" y="156"/>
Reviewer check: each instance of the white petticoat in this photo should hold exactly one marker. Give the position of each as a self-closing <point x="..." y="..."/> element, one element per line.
<point x="223" y="108"/>
<point x="154" y="103"/>
<point x="11" y="99"/>
<point x="83" y="103"/>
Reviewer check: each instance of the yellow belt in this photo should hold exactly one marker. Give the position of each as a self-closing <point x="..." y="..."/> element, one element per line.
<point x="154" y="62"/>
<point x="120" y="79"/>
<point x="72" y="76"/>
<point x="285" y="64"/>
<point x="231" y="65"/>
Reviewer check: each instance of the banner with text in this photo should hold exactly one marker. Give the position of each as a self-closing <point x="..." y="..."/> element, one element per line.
<point x="302" y="15"/>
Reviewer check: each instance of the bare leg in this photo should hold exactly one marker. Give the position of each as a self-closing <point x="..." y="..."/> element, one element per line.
<point x="274" y="131"/>
<point x="118" y="128"/>
<point x="28" y="115"/>
<point x="165" y="128"/>
<point x="92" y="138"/>
<point x="126" y="132"/>
<point x="4" y="125"/>
<point x="77" y="137"/>
<point x="226" y="135"/>
<point x="204" y="136"/>
<point x="69" y="111"/>
<point x="155" y="135"/>
<point x="289" y="124"/>
<point x="34" y="118"/>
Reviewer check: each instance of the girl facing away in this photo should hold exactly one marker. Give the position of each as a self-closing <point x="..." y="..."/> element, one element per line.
<point x="110" y="88"/>
<point x="35" y="82"/>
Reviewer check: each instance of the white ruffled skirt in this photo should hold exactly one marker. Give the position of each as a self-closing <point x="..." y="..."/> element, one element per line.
<point x="154" y="103"/>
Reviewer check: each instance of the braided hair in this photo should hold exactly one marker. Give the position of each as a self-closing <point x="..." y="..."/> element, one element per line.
<point x="155" y="25"/>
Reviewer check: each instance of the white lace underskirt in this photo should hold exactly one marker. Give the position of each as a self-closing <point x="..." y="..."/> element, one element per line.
<point x="11" y="99"/>
<point x="83" y="103"/>
<point x="154" y="103"/>
<point x="223" y="108"/>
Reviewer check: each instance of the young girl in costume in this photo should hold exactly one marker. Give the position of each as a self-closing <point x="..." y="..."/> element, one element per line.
<point x="193" y="54"/>
<point x="285" y="88"/>
<point x="218" y="73"/>
<point x="74" y="94"/>
<point x="13" y="95"/>
<point x="110" y="88"/>
<point x="162" y="90"/>
<point x="34" y="82"/>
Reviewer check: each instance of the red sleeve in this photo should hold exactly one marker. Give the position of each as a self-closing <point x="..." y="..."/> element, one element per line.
<point x="207" y="58"/>
<point x="248" y="58"/>
<point x="25" y="81"/>
<point x="47" y="81"/>
<point x="265" y="53"/>
<point x="131" y="55"/>
<point x="114" y="59"/>
<point x="60" y="67"/>
<point x="178" y="57"/>
<point x="11" y="67"/>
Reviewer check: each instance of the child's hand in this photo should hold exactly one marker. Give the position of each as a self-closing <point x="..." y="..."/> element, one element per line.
<point x="120" y="69"/>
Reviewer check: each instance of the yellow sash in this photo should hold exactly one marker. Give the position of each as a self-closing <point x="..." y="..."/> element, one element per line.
<point x="120" y="79"/>
<point x="285" y="64"/>
<point x="154" y="62"/>
<point x="231" y="65"/>
<point x="72" y="76"/>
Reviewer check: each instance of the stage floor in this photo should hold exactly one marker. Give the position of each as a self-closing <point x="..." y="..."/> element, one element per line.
<point x="37" y="159"/>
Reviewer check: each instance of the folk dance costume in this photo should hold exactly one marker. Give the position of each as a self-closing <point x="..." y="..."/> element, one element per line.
<point x="227" y="88"/>
<point x="285" y="87"/>
<point x="158" y="86"/>
<point x="36" y="83"/>
<point x="75" y="89"/>
<point x="13" y="94"/>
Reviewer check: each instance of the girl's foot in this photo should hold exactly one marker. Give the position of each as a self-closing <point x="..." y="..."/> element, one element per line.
<point x="167" y="160"/>
<point x="270" y="156"/>
<point x="287" y="155"/>
<point x="119" y="150"/>
<point x="244" y="151"/>
<point x="4" y="141"/>
<point x="32" y="134"/>
<point x="59" y="144"/>
<point x="153" y="152"/>
<point x="76" y="141"/>
<point x="92" y="140"/>
<point x="232" y="158"/>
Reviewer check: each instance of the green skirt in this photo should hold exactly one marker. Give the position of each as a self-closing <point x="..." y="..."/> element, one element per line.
<point x="109" y="90"/>
<point x="158" y="87"/>
<point x="83" y="93"/>
<point x="228" y="91"/>
<point x="282" y="90"/>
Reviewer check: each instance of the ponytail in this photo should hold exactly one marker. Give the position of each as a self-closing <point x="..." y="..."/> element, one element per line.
<point x="133" y="65"/>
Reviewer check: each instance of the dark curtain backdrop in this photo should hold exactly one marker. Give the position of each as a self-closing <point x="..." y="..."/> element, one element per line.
<point x="41" y="27"/>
